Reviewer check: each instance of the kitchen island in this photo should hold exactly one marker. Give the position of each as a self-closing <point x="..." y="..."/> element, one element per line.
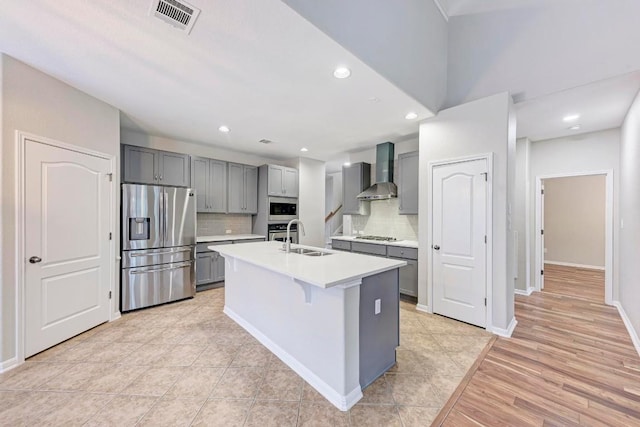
<point x="332" y="318"/>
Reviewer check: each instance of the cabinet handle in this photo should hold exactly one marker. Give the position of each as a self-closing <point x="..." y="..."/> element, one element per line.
<point x="155" y="177"/>
<point x="160" y="177"/>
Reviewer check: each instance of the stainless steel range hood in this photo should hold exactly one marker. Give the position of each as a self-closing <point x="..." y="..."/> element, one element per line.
<point x="384" y="188"/>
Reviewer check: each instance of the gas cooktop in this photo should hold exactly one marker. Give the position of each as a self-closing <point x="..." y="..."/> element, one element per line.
<point x="379" y="238"/>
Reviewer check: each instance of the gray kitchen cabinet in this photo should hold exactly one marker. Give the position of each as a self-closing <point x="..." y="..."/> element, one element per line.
<point x="408" y="274"/>
<point x="210" y="264"/>
<point x="242" y="193"/>
<point x="209" y="178"/>
<point x="355" y="179"/>
<point x="204" y="268"/>
<point x="148" y="166"/>
<point x="282" y="181"/>
<point x="408" y="183"/>
<point x="341" y="245"/>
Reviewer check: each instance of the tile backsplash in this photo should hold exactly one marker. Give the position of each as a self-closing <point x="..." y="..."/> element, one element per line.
<point x="217" y="224"/>
<point x="384" y="220"/>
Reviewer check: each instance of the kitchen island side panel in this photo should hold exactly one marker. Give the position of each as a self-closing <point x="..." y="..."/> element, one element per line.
<point x="316" y="327"/>
<point x="379" y="324"/>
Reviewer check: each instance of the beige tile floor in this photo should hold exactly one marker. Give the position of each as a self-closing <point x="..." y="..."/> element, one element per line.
<point x="187" y="364"/>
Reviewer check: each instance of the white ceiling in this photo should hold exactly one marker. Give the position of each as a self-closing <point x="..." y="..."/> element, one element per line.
<point x="601" y="105"/>
<point x="255" y="66"/>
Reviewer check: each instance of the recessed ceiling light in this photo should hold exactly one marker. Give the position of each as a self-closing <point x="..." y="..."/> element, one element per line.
<point x="575" y="127"/>
<point x="571" y="117"/>
<point x="341" y="73"/>
<point x="303" y="149"/>
<point x="374" y="99"/>
<point x="224" y="129"/>
<point x="347" y="164"/>
<point x="411" y="116"/>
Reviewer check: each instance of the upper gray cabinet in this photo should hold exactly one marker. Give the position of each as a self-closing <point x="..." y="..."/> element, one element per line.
<point x="209" y="178"/>
<point x="242" y="193"/>
<point x="408" y="166"/>
<point x="148" y="166"/>
<point x="355" y="179"/>
<point x="282" y="181"/>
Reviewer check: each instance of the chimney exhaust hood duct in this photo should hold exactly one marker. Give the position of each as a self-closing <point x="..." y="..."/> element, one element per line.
<point x="384" y="188"/>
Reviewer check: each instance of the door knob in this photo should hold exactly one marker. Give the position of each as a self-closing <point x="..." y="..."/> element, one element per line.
<point x="436" y="247"/>
<point x="35" y="260"/>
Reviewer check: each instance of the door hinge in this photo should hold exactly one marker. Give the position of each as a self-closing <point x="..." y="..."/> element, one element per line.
<point x="109" y="294"/>
<point x="110" y="236"/>
<point x="485" y="239"/>
<point x="485" y="302"/>
<point x="542" y="232"/>
<point x="485" y="176"/>
<point x="542" y="191"/>
<point x="542" y="272"/>
<point x="110" y="175"/>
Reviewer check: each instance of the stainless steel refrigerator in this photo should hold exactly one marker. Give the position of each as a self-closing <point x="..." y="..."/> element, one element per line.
<point x="158" y="245"/>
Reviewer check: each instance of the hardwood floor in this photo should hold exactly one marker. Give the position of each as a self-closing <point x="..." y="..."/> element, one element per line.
<point x="570" y="362"/>
<point x="571" y="281"/>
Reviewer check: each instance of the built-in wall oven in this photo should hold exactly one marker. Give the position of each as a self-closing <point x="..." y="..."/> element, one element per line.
<point x="283" y="208"/>
<point x="278" y="232"/>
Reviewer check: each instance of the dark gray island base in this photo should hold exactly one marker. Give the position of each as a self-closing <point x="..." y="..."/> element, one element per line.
<point x="379" y="333"/>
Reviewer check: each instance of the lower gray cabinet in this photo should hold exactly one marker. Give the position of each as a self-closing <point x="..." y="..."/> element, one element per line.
<point x="408" y="274"/>
<point x="209" y="268"/>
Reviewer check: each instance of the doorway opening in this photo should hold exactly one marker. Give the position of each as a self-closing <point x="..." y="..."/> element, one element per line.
<point x="574" y="233"/>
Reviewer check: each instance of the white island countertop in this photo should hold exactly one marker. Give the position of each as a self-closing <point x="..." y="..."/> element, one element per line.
<point x="402" y="243"/>
<point x="323" y="271"/>
<point x="225" y="237"/>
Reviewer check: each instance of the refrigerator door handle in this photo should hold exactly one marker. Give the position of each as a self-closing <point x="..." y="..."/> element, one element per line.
<point x="166" y="217"/>
<point x="156" y="270"/>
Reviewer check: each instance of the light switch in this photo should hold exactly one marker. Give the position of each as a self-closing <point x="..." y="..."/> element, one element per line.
<point x="377" y="306"/>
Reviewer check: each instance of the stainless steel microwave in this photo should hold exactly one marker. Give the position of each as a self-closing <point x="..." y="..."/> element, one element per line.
<point x="282" y="208"/>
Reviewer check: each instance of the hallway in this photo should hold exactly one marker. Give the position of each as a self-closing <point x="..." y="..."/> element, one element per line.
<point x="570" y="362"/>
<point x="574" y="282"/>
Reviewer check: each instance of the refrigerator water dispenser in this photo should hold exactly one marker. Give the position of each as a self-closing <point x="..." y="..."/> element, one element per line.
<point x="139" y="228"/>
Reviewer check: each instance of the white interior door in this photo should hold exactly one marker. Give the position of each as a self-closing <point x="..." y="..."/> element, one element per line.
<point x="67" y="215"/>
<point x="459" y="245"/>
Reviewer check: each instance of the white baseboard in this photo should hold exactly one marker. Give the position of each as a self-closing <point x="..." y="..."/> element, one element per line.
<point x="506" y="333"/>
<point x="571" y="264"/>
<point x="627" y="322"/>
<point x="115" y="316"/>
<point x="342" y="402"/>
<point x="8" y="365"/>
<point x="423" y="308"/>
<point x="526" y="293"/>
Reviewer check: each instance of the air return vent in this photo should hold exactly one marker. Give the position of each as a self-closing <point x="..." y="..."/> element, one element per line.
<point x="180" y="14"/>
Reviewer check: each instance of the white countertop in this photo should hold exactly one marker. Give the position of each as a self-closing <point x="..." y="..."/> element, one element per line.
<point x="223" y="237"/>
<point x="403" y="243"/>
<point x="322" y="271"/>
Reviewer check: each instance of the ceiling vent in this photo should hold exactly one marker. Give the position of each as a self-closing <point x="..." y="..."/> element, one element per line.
<point x="265" y="141"/>
<point x="180" y="14"/>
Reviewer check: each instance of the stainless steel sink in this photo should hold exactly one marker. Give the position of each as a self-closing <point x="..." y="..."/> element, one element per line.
<point x="308" y="252"/>
<point x="318" y="253"/>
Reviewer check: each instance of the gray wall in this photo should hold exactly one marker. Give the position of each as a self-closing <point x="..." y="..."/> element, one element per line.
<point x="542" y="48"/>
<point x="476" y="128"/>
<point x="36" y="103"/>
<point x="630" y="220"/>
<point x="404" y="41"/>
<point x="574" y="220"/>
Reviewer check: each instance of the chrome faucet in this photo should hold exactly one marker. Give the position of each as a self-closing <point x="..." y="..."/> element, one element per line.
<point x="287" y="242"/>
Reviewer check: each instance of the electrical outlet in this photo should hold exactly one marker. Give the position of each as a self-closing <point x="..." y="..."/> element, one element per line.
<point x="377" y="307"/>
<point x="228" y="231"/>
